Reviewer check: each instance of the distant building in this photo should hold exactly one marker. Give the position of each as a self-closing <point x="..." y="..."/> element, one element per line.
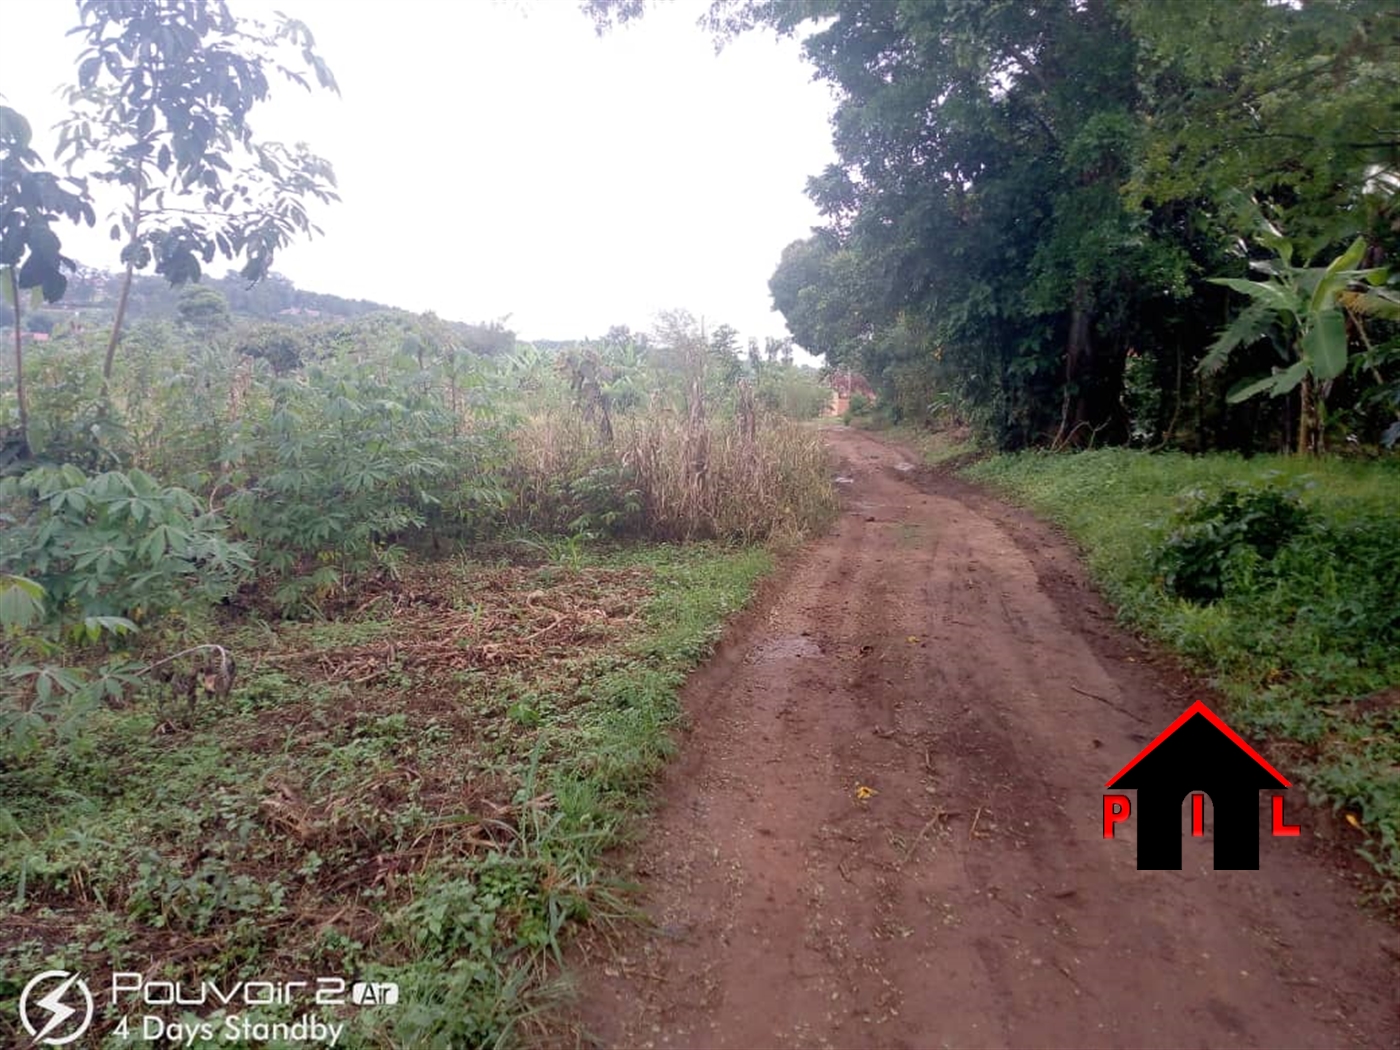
<point x="845" y="384"/>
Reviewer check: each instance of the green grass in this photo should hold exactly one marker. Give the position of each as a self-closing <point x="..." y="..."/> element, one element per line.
<point x="375" y="799"/>
<point x="937" y="447"/>
<point x="1293" y="644"/>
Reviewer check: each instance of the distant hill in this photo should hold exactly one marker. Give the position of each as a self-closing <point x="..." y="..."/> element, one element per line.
<point x="92" y="296"/>
<point x="273" y="298"/>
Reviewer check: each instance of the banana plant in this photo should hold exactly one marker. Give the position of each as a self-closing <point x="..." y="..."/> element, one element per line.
<point x="1305" y="303"/>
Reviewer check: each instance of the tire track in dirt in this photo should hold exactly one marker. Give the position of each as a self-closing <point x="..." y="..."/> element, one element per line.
<point x="943" y="650"/>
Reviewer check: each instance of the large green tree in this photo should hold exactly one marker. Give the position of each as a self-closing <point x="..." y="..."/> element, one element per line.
<point x="1028" y="196"/>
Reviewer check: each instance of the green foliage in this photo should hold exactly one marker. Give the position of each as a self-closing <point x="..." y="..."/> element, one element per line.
<point x="1211" y="533"/>
<point x="163" y="96"/>
<point x="281" y="346"/>
<point x="1305" y="628"/>
<point x="105" y="552"/>
<point x="114" y="544"/>
<point x="66" y="422"/>
<point x="349" y="459"/>
<point x="204" y="311"/>
<point x="31" y="201"/>
<point x="1306" y="303"/>
<point x="39" y="699"/>
<point x="1027" y="198"/>
<point x="797" y="393"/>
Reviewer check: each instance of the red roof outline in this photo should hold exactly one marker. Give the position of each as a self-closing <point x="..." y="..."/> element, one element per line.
<point x="1199" y="708"/>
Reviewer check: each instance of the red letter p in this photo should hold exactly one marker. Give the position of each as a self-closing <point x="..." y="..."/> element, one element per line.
<point x="1116" y="809"/>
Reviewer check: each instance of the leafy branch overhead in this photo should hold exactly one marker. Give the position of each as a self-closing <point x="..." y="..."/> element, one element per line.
<point x="163" y="97"/>
<point x="31" y="201"/>
<point x="1309" y="302"/>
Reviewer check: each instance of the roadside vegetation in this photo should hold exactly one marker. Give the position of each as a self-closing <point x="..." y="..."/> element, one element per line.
<point x="334" y="640"/>
<point x="1277" y="577"/>
<point x="418" y="788"/>
<point x="341" y="640"/>
<point x="356" y="662"/>
<point x="1120" y="222"/>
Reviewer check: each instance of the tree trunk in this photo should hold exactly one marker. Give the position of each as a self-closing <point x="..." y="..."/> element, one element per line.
<point x="19" y="369"/>
<point x="1093" y="381"/>
<point x="117" y="328"/>
<point x="1305" y="416"/>
<point x="126" y="290"/>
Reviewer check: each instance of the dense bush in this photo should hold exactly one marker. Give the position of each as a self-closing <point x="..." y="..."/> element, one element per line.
<point x="797" y="393"/>
<point x="348" y="459"/>
<point x="200" y="469"/>
<point x="664" y="477"/>
<point x="1213" y="533"/>
<point x="113" y="544"/>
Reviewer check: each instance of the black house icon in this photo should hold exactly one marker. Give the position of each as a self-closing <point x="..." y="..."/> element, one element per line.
<point x="1198" y="752"/>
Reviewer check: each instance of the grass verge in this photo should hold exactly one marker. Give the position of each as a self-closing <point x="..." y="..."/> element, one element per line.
<point x="420" y="791"/>
<point x="944" y="447"/>
<point x="1306" y="647"/>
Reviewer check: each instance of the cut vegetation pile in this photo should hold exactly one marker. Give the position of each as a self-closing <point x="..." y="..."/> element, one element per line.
<point x="418" y="791"/>
<point x="1279" y="577"/>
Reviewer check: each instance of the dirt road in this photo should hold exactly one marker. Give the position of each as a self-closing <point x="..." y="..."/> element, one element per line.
<point x="943" y="651"/>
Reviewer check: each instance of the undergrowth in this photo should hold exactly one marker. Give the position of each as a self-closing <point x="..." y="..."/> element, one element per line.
<point x="939" y="447"/>
<point x="420" y="792"/>
<point x="1278" y="577"/>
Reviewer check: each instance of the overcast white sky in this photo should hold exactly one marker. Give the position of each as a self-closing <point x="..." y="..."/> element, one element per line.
<point x="498" y="158"/>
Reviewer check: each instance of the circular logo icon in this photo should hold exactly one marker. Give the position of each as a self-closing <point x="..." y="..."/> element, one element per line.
<point x="60" y="1022"/>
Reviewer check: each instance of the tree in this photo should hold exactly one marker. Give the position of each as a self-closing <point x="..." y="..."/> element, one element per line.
<point x="31" y="256"/>
<point x="164" y="92"/>
<point x="1306" y="302"/>
<point x="1038" y="189"/>
<point x="981" y="149"/>
<point x="281" y="346"/>
<point x="204" y="311"/>
<point x="1290" y="103"/>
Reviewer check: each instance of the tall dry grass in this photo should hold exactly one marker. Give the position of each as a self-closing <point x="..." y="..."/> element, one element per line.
<point x="672" y="476"/>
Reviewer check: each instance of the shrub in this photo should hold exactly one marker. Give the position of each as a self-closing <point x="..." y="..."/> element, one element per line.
<point x="1306" y="618"/>
<point x="666" y="477"/>
<point x="1212" y="534"/>
<point x="114" y="544"/>
<point x="350" y="459"/>
<point x="797" y="393"/>
<point x="859" y="407"/>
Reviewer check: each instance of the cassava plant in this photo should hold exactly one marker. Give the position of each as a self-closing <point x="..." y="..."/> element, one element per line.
<point x="116" y="544"/>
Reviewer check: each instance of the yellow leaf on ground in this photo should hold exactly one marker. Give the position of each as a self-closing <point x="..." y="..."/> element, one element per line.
<point x="863" y="792"/>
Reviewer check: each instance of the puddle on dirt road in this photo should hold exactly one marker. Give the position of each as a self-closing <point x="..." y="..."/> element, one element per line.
<point x="788" y="648"/>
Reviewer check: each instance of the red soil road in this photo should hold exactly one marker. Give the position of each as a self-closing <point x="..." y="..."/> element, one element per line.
<point x="943" y="650"/>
